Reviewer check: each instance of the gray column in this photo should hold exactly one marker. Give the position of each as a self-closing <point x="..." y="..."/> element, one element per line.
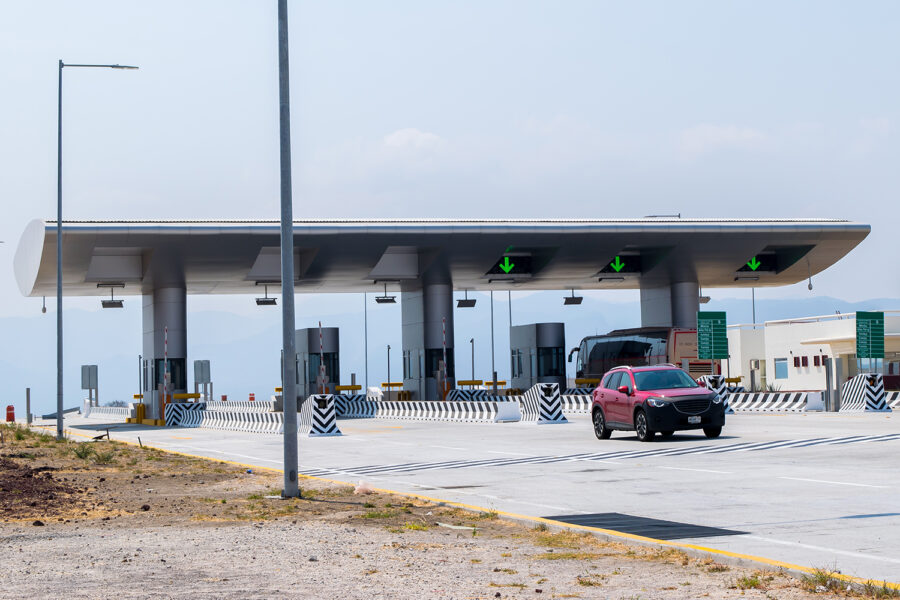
<point x="423" y="312"/>
<point x="671" y="305"/>
<point x="165" y="308"/>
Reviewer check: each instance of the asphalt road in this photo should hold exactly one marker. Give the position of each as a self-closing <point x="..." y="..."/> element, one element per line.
<point x="819" y="490"/>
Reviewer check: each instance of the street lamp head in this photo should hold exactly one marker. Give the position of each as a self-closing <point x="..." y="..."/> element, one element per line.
<point x="128" y="67"/>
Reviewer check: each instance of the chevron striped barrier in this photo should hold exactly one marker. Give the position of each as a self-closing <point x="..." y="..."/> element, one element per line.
<point x="864" y="393"/>
<point x="108" y="412"/>
<point x="471" y="396"/>
<point x="718" y="384"/>
<point x="475" y="412"/>
<point x="250" y="422"/>
<point x="576" y="403"/>
<point x="768" y="402"/>
<point x="579" y="391"/>
<point x="240" y="406"/>
<point x="893" y="400"/>
<point x="542" y="404"/>
<point x="341" y="400"/>
<point x="175" y="411"/>
<point x="318" y="416"/>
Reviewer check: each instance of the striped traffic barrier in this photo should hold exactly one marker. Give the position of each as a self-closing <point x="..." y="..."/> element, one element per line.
<point x="542" y="404"/>
<point x="108" y="412"/>
<point x="175" y="412"/>
<point x="768" y="401"/>
<point x="864" y="393"/>
<point x="318" y="416"/>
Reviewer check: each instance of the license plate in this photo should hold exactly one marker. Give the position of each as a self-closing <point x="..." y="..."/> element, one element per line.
<point x="693" y="420"/>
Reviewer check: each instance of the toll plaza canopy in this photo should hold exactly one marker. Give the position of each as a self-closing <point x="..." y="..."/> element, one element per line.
<point x="668" y="259"/>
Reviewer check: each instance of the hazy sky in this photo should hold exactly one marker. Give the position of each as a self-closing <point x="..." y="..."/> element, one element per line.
<point x="468" y="109"/>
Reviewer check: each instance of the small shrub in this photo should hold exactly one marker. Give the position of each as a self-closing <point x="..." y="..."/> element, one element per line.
<point x="105" y="458"/>
<point x="750" y="582"/>
<point x="374" y="514"/>
<point x="83" y="451"/>
<point x="416" y="526"/>
<point x="19" y="435"/>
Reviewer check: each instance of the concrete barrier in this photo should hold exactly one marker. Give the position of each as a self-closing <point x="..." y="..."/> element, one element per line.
<point x="318" y="416"/>
<point x="576" y="403"/>
<point x="482" y="412"/>
<point x="241" y="406"/>
<point x="864" y="393"/>
<point x="768" y="402"/>
<point x="175" y="411"/>
<point x="892" y="399"/>
<point x="117" y="413"/>
<point x="542" y="404"/>
<point x="250" y="422"/>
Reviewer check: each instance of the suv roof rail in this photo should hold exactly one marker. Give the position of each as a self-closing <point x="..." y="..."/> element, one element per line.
<point x="620" y="367"/>
<point x="667" y="365"/>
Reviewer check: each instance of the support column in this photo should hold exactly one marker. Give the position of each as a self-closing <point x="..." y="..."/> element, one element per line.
<point x="165" y="308"/>
<point x="425" y="314"/>
<point x="672" y="305"/>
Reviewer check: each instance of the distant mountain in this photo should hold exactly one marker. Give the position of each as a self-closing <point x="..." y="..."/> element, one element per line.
<point x="244" y="350"/>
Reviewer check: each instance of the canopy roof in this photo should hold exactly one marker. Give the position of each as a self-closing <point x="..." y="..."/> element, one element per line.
<point x="235" y="257"/>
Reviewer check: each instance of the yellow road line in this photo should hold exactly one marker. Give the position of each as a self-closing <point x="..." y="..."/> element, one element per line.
<point x="561" y="524"/>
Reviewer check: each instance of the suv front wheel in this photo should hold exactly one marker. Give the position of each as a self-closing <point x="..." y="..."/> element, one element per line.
<point x="642" y="427"/>
<point x="600" y="429"/>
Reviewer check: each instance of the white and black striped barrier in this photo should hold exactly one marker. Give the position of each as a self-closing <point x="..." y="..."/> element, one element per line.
<point x="261" y="406"/>
<point x="892" y="399"/>
<point x="175" y="412"/>
<point x="473" y="412"/>
<point x="864" y="393"/>
<point x="542" y="404"/>
<point x="318" y="416"/>
<point x="250" y="422"/>
<point x="118" y="413"/>
<point x="769" y="401"/>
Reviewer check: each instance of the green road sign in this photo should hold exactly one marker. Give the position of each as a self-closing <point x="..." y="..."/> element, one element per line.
<point x="712" y="339"/>
<point x="869" y="334"/>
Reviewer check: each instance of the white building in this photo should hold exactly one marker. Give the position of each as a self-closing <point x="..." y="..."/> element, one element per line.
<point x="789" y="355"/>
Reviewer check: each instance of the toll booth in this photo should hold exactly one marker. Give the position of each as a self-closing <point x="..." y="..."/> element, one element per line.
<point x="313" y="353"/>
<point x="537" y="354"/>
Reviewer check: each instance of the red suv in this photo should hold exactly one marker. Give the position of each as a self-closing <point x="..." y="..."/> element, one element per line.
<point x="660" y="398"/>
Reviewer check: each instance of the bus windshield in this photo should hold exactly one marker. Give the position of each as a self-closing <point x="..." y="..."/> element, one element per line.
<point x="663" y="379"/>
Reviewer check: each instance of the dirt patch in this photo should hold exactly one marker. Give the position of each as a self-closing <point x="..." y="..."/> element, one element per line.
<point x="186" y="527"/>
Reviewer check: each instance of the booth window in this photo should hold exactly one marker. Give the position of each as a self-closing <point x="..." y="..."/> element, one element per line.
<point x="781" y="368"/>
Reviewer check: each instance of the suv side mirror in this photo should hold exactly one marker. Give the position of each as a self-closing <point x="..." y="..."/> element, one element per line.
<point x="623" y="389"/>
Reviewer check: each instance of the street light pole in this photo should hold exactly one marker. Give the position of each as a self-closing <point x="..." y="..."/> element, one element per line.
<point x="59" y="293"/>
<point x="388" y="386"/>
<point x="472" y="341"/>
<point x="289" y="347"/>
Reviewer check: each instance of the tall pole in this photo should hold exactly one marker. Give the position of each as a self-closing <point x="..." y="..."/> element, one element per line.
<point x="753" y="302"/>
<point x="289" y="389"/>
<point x="493" y="368"/>
<point x="59" y="312"/>
<point x="366" y="336"/>
<point x="472" y="341"/>
<point x="509" y="305"/>
<point x="388" y="386"/>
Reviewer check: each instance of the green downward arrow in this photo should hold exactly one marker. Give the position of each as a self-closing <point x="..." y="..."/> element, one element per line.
<point x="617" y="264"/>
<point x="506" y="265"/>
<point x="753" y="263"/>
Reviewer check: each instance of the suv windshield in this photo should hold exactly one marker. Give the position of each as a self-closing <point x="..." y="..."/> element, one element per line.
<point x="663" y="379"/>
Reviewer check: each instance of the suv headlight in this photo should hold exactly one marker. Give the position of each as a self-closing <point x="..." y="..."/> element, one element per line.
<point x="657" y="402"/>
<point x="717" y="399"/>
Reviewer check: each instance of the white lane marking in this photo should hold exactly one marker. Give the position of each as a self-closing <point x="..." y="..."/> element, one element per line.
<point x="698" y="470"/>
<point x="509" y="453"/>
<point x="822" y="548"/>
<point x="834" y="482"/>
<point x="450" y="448"/>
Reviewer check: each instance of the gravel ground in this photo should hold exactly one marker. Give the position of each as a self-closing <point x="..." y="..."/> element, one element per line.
<point x="104" y="520"/>
<point x="322" y="560"/>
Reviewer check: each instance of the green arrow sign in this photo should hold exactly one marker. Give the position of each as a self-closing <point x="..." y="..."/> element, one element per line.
<point x="753" y="263"/>
<point x="506" y="265"/>
<point x="617" y="264"/>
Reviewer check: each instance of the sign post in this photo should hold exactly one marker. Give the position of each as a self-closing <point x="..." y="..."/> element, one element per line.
<point x="712" y="337"/>
<point x="869" y="335"/>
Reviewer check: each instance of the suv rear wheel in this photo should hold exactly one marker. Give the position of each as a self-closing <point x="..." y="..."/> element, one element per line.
<point x="600" y="429"/>
<point x="642" y="427"/>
